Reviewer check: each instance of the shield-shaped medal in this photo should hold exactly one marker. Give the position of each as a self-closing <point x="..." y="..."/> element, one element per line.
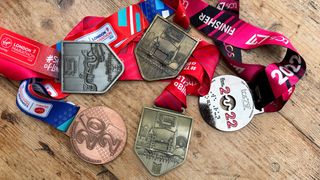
<point x="162" y="140"/>
<point x="163" y="50"/>
<point x="88" y="67"/>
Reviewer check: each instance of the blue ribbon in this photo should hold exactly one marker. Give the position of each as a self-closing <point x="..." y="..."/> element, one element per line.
<point x="58" y="114"/>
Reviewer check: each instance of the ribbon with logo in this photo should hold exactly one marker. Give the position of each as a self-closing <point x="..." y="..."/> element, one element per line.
<point x="123" y="30"/>
<point x="41" y="98"/>
<point x="272" y="85"/>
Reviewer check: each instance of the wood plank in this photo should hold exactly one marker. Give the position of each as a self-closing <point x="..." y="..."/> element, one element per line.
<point x="275" y="145"/>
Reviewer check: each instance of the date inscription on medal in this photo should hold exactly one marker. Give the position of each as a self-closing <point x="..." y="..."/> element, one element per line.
<point x="229" y="104"/>
<point x="98" y="137"/>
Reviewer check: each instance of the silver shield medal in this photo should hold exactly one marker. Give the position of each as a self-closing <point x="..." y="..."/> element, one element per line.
<point x="229" y="105"/>
<point x="163" y="50"/>
<point x="88" y="67"/>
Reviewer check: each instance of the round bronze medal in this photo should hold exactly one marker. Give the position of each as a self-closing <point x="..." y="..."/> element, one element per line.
<point x="98" y="135"/>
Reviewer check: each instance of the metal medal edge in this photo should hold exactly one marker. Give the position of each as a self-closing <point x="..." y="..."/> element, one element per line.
<point x="78" y="153"/>
<point x="182" y="66"/>
<point x="189" y="138"/>
<point x="249" y="117"/>
<point x="89" y="92"/>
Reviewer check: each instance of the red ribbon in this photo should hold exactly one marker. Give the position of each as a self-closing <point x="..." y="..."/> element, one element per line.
<point x="194" y="79"/>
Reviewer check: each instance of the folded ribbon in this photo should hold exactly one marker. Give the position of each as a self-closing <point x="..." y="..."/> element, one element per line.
<point x="272" y="85"/>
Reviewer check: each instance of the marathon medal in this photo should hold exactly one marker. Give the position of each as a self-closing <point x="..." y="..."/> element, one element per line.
<point x="229" y="105"/>
<point x="88" y="67"/>
<point x="162" y="140"/>
<point x="98" y="135"/>
<point x="163" y="50"/>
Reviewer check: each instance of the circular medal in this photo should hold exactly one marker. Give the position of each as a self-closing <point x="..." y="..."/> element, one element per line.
<point x="98" y="135"/>
<point x="229" y="104"/>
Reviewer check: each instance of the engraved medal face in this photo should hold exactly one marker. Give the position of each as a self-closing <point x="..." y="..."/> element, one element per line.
<point x="88" y="67"/>
<point x="163" y="50"/>
<point x="98" y="135"/>
<point x="229" y="105"/>
<point x="162" y="140"/>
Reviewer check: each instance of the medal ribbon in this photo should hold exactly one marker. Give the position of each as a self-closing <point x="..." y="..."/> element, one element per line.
<point x="196" y="77"/>
<point x="33" y="99"/>
<point x="35" y="96"/>
<point x="272" y="85"/>
<point x="23" y="58"/>
<point x="121" y="31"/>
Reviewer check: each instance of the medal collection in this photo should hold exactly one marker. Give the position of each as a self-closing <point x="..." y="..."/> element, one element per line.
<point x="140" y="43"/>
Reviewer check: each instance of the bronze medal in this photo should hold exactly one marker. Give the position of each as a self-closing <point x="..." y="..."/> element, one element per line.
<point x="163" y="50"/>
<point x="162" y="140"/>
<point x="88" y="67"/>
<point x="98" y="135"/>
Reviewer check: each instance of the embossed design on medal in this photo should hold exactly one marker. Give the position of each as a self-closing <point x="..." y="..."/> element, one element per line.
<point x="162" y="140"/>
<point x="92" y="58"/>
<point x="163" y="50"/>
<point x="88" y="67"/>
<point x="98" y="135"/>
<point x="229" y="105"/>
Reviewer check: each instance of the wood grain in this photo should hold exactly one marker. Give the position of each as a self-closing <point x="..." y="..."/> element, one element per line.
<point x="283" y="145"/>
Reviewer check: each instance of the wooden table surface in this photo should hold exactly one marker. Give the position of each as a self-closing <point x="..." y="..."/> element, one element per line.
<point x="278" y="145"/>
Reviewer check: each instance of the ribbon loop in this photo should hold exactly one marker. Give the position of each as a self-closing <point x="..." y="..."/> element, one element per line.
<point x="232" y="34"/>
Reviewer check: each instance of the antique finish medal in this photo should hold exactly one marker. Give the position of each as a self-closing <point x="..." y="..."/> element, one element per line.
<point x="229" y="105"/>
<point x="162" y="140"/>
<point x="98" y="135"/>
<point x="88" y="67"/>
<point x="163" y="50"/>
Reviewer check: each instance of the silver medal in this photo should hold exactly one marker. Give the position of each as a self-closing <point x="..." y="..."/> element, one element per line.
<point x="88" y="67"/>
<point x="229" y="105"/>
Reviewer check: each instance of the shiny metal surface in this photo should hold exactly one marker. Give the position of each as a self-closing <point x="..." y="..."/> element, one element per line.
<point x="229" y="104"/>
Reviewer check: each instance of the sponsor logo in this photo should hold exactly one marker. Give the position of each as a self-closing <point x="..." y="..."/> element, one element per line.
<point x="18" y="49"/>
<point x="24" y="101"/>
<point x="257" y="39"/>
<point x="6" y="42"/>
<point x="245" y="99"/>
<point x="223" y="5"/>
<point x="104" y="34"/>
<point x="39" y="110"/>
<point x="238" y="69"/>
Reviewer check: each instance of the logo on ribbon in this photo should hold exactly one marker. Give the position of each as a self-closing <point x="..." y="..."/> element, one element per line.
<point x="6" y="42"/>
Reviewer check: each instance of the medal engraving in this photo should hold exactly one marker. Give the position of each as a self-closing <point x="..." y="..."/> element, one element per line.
<point x="98" y="135"/>
<point x="88" y="67"/>
<point x="229" y="104"/>
<point x="162" y="140"/>
<point x="163" y="50"/>
<point x="94" y="134"/>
